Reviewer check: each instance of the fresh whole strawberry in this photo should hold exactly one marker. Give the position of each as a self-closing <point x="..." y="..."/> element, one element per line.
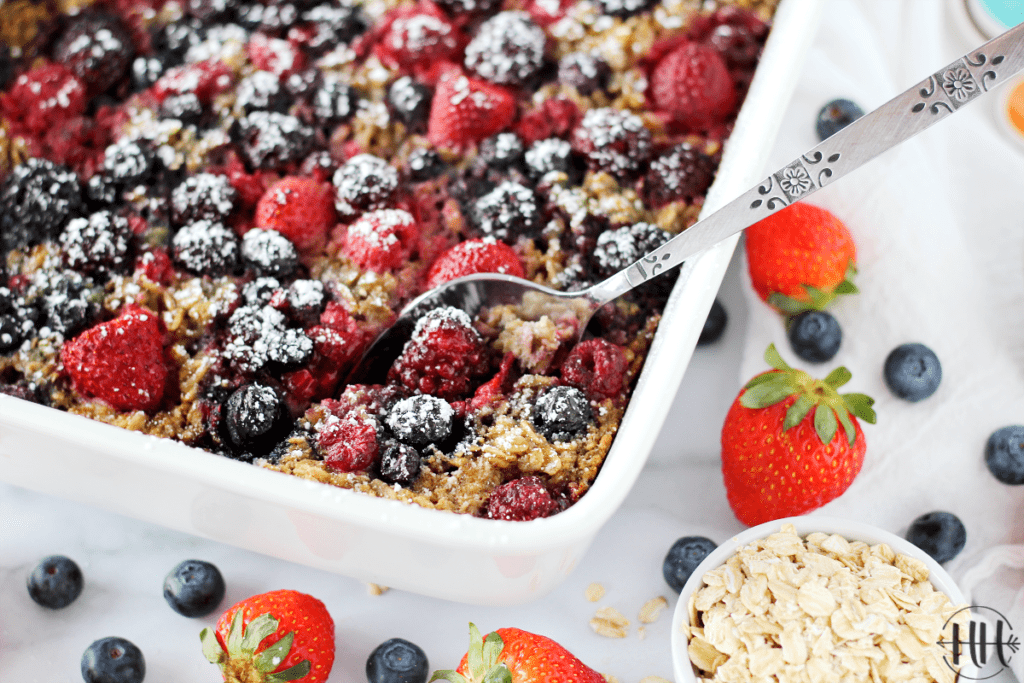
<point x="486" y="255"/>
<point x="692" y="83"/>
<point x="791" y="443"/>
<point x="120" y="361"/>
<point x="301" y="209"/>
<point x="511" y="655"/>
<point x="273" y="637"/>
<point x="466" y="110"/>
<point x="801" y="258"/>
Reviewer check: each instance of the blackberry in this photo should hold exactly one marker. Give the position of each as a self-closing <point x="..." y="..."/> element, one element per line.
<point x="97" y="48"/>
<point x="10" y="333"/>
<point x="272" y="19"/>
<point x="318" y="164"/>
<point x="6" y="66"/>
<point x="683" y="557"/>
<point x="206" y="248"/>
<point x="714" y="324"/>
<point x="835" y="116"/>
<point x="815" y="336"/>
<point x="306" y="301"/>
<point x="194" y="588"/>
<point x="37" y="200"/>
<point x="205" y="196"/>
<point x="624" y="8"/>
<point x="55" y="582"/>
<point x="507" y="211"/>
<point x="334" y="102"/>
<point x="260" y="290"/>
<point x="501" y="152"/>
<point x="113" y="660"/>
<point x="613" y="141"/>
<point x="562" y="414"/>
<point x="397" y="661"/>
<point x="211" y="11"/>
<point x="912" y="372"/>
<point x="940" y="534"/>
<point x="552" y="154"/>
<point x="186" y="107"/>
<point x="333" y="25"/>
<point x="16" y="320"/>
<point x="469" y="7"/>
<point x="174" y="41"/>
<point x="302" y="84"/>
<point x="737" y="43"/>
<point x="66" y="301"/>
<point x="586" y="72"/>
<point x="683" y="173"/>
<point x="98" y="245"/>
<point x="129" y="162"/>
<point x="270" y="140"/>
<point x="409" y="102"/>
<point x="146" y="71"/>
<point x="101" y="192"/>
<point x="1004" y="454"/>
<point x="269" y="253"/>
<point x="258" y="336"/>
<point x="424" y="164"/>
<point x="399" y="463"/>
<point x="619" y="248"/>
<point x="260" y="91"/>
<point x="420" y="420"/>
<point x="508" y="49"/>
<point x="364" y="183"/>
<point x="256" y="419"/>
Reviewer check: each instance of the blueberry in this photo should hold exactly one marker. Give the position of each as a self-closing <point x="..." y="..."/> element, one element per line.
<point x="683" y="557"/>
<point x="194" y="588"/>
<point x="912" y="372"/>
<point x="113" y="660"/>
<point x="397" y="661"/>
<point x="815" y="336"/>
<point x="399" y="463"/>
<point x="1004" y="454"/>
<point x="714" y="325"/>
<point x="419" y="420"/>
<point x="940" y="534"/>
<point x="835" y="116"/>
<point x="562" y="414"/>
<point x="410" y="101"/>
<point x="55" y="582"/>
<point x="268" y="253"/>
<point x="424" y="164"/>
<point x="256" y="418"/>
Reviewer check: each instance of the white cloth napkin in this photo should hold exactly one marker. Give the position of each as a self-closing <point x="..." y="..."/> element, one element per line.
<point x="939" y="227"/>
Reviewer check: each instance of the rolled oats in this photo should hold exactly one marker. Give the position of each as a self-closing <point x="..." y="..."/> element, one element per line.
<point x="652" y="609"/>
<point x="610" y="623"/>
<point x="595" y="592"/>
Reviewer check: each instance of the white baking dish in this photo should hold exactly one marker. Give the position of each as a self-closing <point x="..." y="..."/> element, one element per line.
<point x="404" y="546"/>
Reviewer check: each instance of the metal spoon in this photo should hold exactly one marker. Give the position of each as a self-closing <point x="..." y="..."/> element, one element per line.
<point x="896" y="121"/>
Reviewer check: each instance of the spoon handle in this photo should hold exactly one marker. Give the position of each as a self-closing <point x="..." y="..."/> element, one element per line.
<point x="938" y="96"/>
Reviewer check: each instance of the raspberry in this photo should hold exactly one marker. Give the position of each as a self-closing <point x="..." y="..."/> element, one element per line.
<point x="269" y="253"/>
<point x="301" y="209"/>
<point x="206" y="248"/>
<point x="586" y="72"/>
<point x="349" y="443"/>
<point x="444" y="357"/>
<point x="97" y="245"/>
<point x="156" y="265"/>
<point x="598" y="367"/>
<point x="507" y="211"/>
<point x="120" y="362"/>
<point x="205" y="196"/>
<point x="617" y="249"/>
<point x="417" y="36"/>
<point x="682" y="173"/>
<point x="382" y="240"/>
<point x="521" y="500"/>
<point x="43" y="99"/>
<point x="562" y="414"/>
<point x="508" y="49"/>
<point x="96" y="48"/>
<point x="474" y="256"/>
<point x="205" y="80"/>
<point x="37" y="200"/>
<point x="466" y="110"/>
<point x="613" y="141"/>
<point x="270" y="140"/>
<point x="692" y="83"/>
<point x="274" y="55"/>
<point x="556" y="117"/>
<point x="364" y="183"/>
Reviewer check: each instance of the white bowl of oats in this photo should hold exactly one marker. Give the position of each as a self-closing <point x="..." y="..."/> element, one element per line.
<point x="820" y="599"/>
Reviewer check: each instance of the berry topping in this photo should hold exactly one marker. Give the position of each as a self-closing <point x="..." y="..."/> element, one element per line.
<point x="204" y="196"/>
<point x="466" y="110"/>
<point x="714" y="324"/>
<point x="912" y="372"/>
<point x="399" y="464"/>
<point x="940" y="534"/>
<point x="598" y="367"/>
<point x="409" y="102"/>
<point x="256" y="419"/>
<point x="485" y="255"/>
<point x="835" y="116"/>
<point x="363" y="183"/>
<point x="97" y="245"/>
<point x="301" y="209"/>
<point x="586" y="72"/>
<point x="445" y="356"/>
<point x="683" y="557"/>
<point x="259" y="335"/>
<point x="206" y="248"/>
<point x="269" y="253"/>
<point x="334" y="102"/>
<point x="37" y="200"/>
<point x="682" y="173"/>
<point x="348" y="443"/>
<point x="260" y="91"/>
<point x="507" y="211"/>
<point x="562" y="414"/>
<point x="815" y="336"/>
<point x="1004" y="454"/>
<point x="382" y="240"/>
<point x="397" y="661"/>
<point x="194" y="588"/>
<point x="619" y="248"/>
<point x="270" y="140"/>
<point x="419" y="420"/>
<point x="612" y="140"/>
<point x="121" y="361"/>
<point x="55" y="582"/>
<point x="128" y="162"/>
<point x="692" y="83"/>
<point x="521" y="500"/>
<point x="45" y="97"/>
<point x="508" y="49"/>
<point x="552" y="154"/>
<point x="113" y="660"/>
<point x="96" y="48"/>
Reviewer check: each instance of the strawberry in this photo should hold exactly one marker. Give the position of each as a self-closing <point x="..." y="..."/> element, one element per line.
<point x="466" y="110"/>
<point x="278" y="636"/>
<point x="43" y="99"/>
<point x="382" y="240"/>
<point x="692" y="83"/>
<point x="511" y="655"/>
<point x="120" y="361"/>
<point x="801" y="258"/>
<point x="791" y="443"/>
<point x="301" y="209"/>
<point x="485" y="255"/>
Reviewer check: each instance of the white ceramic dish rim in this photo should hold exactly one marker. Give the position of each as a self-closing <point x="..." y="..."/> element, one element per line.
<point x="743" y="162"/>
<point x="849" y="529"/>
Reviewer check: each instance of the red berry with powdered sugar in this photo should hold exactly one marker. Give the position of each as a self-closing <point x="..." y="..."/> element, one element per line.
<point x="382" y="240"/>
<point x="693" y="85"/>
<point x="301" y="209"/>
<point x="486" y="255"/>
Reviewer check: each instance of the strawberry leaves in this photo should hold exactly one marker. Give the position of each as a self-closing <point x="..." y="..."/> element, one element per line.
<point x="816" y="299"/>
<point x="482" y="663"/>
<point x="241" y="658"/>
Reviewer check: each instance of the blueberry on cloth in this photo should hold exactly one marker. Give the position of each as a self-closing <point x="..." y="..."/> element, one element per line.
<point x="912" y="371"/>
<point x="194" y="588"/>
<point x="940" y="534"/>
<point x="397" y="661"/>
<point x="683" y="557"/>
<point x="835" y="116"/>
<point x="815" y="336"/>
<point x="113" y="660"/>
<point x="1004" y="454"/>
<point x="714" y="325"/>
<point x="55" y="582"/>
